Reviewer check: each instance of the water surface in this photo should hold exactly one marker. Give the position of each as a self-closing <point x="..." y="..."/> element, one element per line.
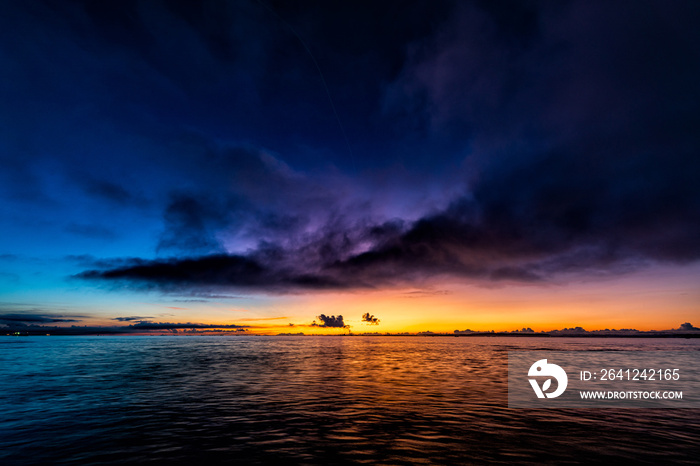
<point x="310" y="400"/>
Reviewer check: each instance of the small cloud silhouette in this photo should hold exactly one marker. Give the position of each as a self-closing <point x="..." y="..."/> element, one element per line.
<point x="366" y="317"/>
<point x="330" y="321"/>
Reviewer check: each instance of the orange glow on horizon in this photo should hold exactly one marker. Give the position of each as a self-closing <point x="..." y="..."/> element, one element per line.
<point x="661" y="300"/>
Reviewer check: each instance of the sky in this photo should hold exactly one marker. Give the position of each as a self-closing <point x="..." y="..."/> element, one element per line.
<point x="262" y="166"/>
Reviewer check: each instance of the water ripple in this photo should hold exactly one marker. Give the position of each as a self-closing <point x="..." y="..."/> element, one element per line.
<point x="311" y="400"/>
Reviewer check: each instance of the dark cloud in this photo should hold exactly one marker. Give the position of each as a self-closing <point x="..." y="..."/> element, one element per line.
<point x="131" y="318"/>
<point x="366" y="317"/>
<point x="88" y="260"/>
<point x="330" y="322"/>
<point x="171" y="326"/>
<point x="484" y="238"/>
<point x="35" y="328"/>
<point x="233" y="201"/>
<point x="24" y="319"/>
<point x="489" y="142"/>
<point x="688" y="326"/>
<point x="487" y="240"/>
<point x="189" y="223"/>
<point x="591" y="150"/>
<point x="222" y="270"/>
<point x="582" y="159"/>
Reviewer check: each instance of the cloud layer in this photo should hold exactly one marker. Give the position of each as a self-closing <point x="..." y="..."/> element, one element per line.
<point x="579" y="155"/>
<point x="480" y="143"/>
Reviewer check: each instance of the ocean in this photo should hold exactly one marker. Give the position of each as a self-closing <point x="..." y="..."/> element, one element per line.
<point x="311" y="400"/>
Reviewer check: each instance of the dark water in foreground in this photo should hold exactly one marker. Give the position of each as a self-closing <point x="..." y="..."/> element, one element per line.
<point x="310" y="400"/>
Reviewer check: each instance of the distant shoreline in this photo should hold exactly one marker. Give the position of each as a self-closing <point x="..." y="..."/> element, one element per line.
<point x="640" y="335"/>
<point x="467" y="335"/>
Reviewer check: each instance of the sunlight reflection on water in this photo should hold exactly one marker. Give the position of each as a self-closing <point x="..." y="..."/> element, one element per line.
<point x="309" y="400"/>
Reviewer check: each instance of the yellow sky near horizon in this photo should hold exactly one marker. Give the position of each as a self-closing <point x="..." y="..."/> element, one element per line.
<point x="645" y="300"/>
<point x="658" y="299"/>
